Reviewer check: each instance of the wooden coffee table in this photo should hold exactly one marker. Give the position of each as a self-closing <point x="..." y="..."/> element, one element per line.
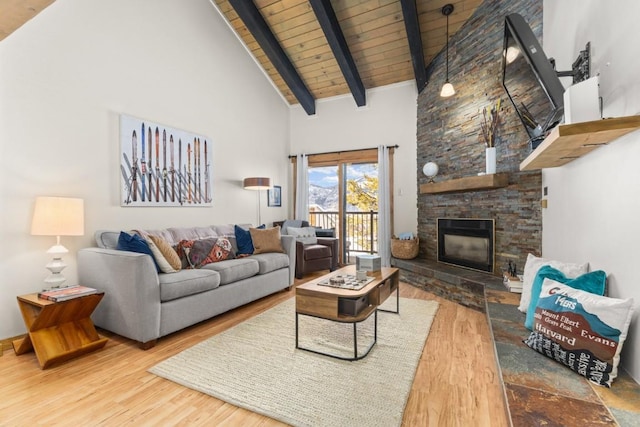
<point x="346" y="305"/>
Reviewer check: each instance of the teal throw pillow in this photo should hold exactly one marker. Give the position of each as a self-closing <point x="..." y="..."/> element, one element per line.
<point x="593" y="282"/>
<point x="135" y="243"/>
<point x="243" y="240"/>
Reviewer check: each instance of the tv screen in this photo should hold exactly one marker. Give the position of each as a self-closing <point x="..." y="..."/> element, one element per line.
<point x="530" y="80"/>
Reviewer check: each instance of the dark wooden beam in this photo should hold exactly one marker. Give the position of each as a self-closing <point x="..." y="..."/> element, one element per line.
<point x="260" y="30"/>
<point x="412" y="25"/>
<point x="332" y="31"/>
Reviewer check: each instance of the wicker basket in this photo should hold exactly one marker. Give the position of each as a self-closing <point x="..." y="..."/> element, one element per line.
<point x="405" y="249"/>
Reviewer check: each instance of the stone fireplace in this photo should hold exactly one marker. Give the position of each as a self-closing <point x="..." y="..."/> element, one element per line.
<point x="467" y="243"/>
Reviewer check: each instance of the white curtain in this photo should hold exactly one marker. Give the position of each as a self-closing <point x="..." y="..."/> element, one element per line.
<point x="302" y="188"/>
<point x="384" y="207"/>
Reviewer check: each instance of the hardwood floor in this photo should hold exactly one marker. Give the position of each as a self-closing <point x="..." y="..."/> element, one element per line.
<point x="456" y="384"/>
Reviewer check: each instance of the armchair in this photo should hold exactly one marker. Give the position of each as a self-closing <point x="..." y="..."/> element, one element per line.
<point x="318" y="253"/>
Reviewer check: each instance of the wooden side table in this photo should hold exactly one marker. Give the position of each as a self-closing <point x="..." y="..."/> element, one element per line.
<point x="58" y="331"/>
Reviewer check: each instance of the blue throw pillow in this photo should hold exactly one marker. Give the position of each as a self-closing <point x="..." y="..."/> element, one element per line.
<point x="243" y="240"/>
<point x="135" y="243"/>
<point x="593" y="282"/>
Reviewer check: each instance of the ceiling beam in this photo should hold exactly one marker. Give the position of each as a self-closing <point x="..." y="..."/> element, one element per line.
<point x="260" y="30"/>
<point x="412" y="25"/>
<point x="333" y="33"/>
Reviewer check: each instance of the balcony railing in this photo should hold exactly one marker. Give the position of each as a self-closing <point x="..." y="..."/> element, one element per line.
<point x="361" y="229"/>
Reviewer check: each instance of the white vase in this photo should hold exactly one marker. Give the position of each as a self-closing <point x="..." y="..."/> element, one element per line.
<point x="491" y="160"/>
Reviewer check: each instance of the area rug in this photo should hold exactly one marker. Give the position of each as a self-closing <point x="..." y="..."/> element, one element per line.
<point x="256" y="366"/>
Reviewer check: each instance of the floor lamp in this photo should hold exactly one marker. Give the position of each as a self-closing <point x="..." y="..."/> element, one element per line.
<point x="257" y="183"/>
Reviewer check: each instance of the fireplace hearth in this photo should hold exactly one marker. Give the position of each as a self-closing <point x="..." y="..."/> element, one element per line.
<point x="467" y="242"/>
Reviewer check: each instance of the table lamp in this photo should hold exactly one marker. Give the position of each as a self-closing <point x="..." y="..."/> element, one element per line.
<point x="257" y="183"/>
<point x="57" y="216"/>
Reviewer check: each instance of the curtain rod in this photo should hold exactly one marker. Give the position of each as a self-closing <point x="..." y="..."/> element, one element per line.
<point x="346" y="151"/>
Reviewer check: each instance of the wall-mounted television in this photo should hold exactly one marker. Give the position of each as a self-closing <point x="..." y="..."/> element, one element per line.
<point x="530" y="80"/>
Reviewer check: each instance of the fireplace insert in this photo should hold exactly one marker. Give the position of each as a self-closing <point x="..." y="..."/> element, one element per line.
<point x="466" y="243"/>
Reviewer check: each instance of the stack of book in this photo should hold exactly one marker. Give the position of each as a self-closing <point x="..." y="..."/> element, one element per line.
<point x="67" y="293"/>
<point x="513" y="283"/>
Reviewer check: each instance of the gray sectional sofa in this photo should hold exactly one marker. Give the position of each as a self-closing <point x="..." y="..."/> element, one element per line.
<point x="144" y="305"/>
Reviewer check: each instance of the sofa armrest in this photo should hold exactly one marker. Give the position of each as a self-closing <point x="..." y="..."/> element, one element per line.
<point x="131" y="304"/>
<point x="289" y="245"/>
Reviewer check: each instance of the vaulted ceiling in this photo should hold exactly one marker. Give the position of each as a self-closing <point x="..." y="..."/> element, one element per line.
<point x="313" y="49"/>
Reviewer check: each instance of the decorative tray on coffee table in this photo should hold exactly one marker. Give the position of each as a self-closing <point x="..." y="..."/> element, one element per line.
<point x="346" y="281"/>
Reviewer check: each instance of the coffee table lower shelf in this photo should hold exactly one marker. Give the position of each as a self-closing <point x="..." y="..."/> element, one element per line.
<point x="355" y="336"/>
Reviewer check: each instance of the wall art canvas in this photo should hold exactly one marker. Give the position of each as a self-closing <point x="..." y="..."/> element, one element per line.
<point x="163" y="166"/>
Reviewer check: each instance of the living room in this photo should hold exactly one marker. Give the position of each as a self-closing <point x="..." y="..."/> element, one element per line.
<point x="69" y="73"/>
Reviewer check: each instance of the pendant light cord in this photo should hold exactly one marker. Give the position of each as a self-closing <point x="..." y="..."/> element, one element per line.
<point x="447" y="48"/>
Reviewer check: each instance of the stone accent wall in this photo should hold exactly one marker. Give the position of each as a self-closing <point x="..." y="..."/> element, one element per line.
<point x="449" y="135"/>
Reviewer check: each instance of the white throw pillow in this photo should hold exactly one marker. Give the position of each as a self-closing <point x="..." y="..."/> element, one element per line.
<point x="531" y="268"/>
<point x="306" y="235"/>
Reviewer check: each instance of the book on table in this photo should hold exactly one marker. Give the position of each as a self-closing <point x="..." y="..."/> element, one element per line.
<point x="67" y="293"/>
<point x="513" y="283"/>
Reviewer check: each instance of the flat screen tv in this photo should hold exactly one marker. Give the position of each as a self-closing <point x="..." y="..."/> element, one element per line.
<point x="530" y="80"/>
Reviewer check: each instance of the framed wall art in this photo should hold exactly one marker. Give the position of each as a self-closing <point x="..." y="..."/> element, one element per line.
<point x="163" y="166"/>
<point x="274" y="196"/>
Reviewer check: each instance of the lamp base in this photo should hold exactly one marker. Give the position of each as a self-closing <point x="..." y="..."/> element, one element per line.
<point x="55" y="279"/>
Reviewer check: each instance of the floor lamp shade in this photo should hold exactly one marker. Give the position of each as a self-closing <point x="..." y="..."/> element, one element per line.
<point x="257" y="183"/>
<point x="57" y="216"/>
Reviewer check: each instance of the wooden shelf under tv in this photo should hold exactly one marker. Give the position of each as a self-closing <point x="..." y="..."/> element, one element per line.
<point x="566" y="143"/>
<point x="469" y="183"/>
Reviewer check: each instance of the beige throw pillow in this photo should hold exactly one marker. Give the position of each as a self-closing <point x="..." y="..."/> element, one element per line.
<point x="167" y="252"/>
<point x="266" y="240"/>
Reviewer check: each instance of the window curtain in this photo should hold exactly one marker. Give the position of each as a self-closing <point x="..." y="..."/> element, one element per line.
<point x="302" y="187"/>
<point x="384" y="207"/>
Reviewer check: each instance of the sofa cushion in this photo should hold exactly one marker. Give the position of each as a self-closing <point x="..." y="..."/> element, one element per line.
<point x="233" y="270"/>
<point x="191" y="233"/>
<point x="187" y="282"/>
<point x="164" y="234"/>
<point x="107" y="239"/>
<point x="271" y="262"/>
<point x="135" y="243"/>
<point x="266" y="241"/>
<point x="316" y="252"/>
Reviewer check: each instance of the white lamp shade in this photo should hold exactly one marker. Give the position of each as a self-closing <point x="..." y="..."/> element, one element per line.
<point x="58" y="216"/>
<point x="447" y="90"/>
<point x="257" y="183"/>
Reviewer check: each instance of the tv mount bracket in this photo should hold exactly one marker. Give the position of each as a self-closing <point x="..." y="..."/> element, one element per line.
<point x="581" y="67"/>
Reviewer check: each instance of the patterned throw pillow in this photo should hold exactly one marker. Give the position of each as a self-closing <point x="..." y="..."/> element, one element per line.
<point x="162" y="262"/>
<point x="581" y="330"/>
<point x="183" y="248"/>
<point x="531" y="268"/>
<point x="206" y="251"/>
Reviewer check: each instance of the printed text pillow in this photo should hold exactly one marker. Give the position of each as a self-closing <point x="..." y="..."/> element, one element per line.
<point x="581" y="330"/>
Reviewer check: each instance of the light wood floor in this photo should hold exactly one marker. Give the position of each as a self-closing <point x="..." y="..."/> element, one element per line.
<point x="456" y="383"/>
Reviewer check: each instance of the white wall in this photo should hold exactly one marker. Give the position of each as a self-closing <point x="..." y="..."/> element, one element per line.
<point x="65" y="77"/>
<point x="389" y="118"/>
<point x="594" y="202"/>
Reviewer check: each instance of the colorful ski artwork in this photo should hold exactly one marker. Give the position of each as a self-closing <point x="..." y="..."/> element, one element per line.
<point x="157" y="180"/>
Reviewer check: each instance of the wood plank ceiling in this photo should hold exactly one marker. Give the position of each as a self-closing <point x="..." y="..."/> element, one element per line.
<point x="374" y="31"/>
<point x="364" y="40"/>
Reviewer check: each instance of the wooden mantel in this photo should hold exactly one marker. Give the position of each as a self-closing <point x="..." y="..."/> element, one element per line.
<point x="469" y="183"/>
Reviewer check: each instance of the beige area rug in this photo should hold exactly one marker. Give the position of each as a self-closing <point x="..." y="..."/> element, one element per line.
<point x="255" y="365"/>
